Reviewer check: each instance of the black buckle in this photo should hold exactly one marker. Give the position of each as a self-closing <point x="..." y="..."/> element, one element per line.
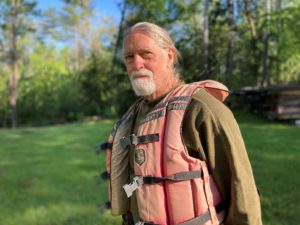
<point x="103" y="176"/>
<point x="134" y="140"/>
<point x="127" y="141"/>
<point x="103" y="206"/>
<point x="102" y="146"/>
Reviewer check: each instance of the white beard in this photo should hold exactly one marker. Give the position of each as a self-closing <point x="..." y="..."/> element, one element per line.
<point x="142" y="86"/>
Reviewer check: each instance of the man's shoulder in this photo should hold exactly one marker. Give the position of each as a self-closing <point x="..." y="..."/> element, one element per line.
<point x="207" y="105"/>
<point x="205" y="99"/>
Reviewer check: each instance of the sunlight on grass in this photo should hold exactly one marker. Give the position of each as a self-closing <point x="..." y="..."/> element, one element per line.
<point x="62" y="213"/>
<point x="47" y="175"/>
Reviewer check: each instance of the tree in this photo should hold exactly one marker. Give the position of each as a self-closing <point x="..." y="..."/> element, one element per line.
<point x="249" y="9"/>
<point x="265" y="60"/>
<point x="206" y="38"/>
<point x="230" y="41"/>
<point x="15" y="23"/>
<point x="3" y="99"/>
<point x="78" y="26"/>
<point x="118" y="42"/>
<point x="97" y="86"/>
<point x="285" y="22"/>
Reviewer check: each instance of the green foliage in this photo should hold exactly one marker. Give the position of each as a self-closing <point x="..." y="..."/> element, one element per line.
<point x="54" y="84"/>
<point x="287" y="23"/>
<point x="183" y="20"/>
<point x="44" y="101"/>
<point x="3" y="100"/>
<point x="96" y="83"/>
<point x="49" y="92"/>
<point x="66" y="67"/>
<point x="290" y="70"/>
<point x="16" y="22"/>
<point x="160" y="12"/>
<point x="79" y="27"/>
<point x="17" y="10"/>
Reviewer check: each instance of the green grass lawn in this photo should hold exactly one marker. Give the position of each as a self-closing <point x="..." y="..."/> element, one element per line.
<point x="274" y="151"/>
<point x="46" y="174"/>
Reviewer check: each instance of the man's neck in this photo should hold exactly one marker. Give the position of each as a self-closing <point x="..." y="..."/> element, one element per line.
<point x="166" y="89"/>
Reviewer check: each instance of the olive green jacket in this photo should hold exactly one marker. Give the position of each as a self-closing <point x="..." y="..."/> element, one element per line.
<point x="211" y="133"/>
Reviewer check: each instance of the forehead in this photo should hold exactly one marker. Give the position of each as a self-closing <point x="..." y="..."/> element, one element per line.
<point x="136" y="41"/>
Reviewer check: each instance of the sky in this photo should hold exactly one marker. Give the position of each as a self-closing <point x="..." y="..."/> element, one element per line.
<point x="104" y="7"/>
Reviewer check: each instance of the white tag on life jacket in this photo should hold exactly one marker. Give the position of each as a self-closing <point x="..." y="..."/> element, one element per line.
<point x="135" y="184"/>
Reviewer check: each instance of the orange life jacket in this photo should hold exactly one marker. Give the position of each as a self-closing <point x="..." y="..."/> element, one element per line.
<point x="171" y="187"/>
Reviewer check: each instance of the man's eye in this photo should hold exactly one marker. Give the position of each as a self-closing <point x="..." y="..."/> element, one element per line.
<point x="147" y="55"/>
<point x="128" y="58"/>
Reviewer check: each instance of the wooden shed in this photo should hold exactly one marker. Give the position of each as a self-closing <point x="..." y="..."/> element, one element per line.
<point x="275" y="102"/>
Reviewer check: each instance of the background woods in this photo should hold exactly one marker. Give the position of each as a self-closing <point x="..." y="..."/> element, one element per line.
<point x="63" y="64"/>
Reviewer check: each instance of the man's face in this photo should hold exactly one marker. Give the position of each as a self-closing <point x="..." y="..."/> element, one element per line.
<point x="148" y="65"/>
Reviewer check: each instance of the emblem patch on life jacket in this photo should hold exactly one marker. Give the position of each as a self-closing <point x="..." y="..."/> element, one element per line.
<point x="139" y="156"/>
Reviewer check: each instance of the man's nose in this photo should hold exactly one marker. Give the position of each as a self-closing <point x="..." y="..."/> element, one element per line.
<point x="138" y="62"/>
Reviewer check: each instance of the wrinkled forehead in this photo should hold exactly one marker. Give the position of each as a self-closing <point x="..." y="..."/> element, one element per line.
<point x="137" y="40"/>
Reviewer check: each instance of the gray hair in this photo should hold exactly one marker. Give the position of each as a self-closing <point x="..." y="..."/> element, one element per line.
<point x="161" y="37"/>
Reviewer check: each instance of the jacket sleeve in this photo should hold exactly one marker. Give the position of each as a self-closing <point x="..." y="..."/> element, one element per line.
<point x="211" y="133"/>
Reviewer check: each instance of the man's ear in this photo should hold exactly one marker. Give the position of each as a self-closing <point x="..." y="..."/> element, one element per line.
<point x="170" y="54"/>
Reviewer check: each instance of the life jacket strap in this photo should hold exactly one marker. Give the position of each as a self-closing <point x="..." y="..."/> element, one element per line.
<point x="134" y="140"/>
<point x="138" y="181"/>
<point x="189" y="175"/>
<point x="199" y="220"/>
<point x="144" y="223"/>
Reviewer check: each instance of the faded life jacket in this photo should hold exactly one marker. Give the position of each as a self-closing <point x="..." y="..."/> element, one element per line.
<point x="171" y="187"/>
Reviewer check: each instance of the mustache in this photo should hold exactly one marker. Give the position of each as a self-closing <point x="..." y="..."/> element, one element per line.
<point x="141" y="72"/>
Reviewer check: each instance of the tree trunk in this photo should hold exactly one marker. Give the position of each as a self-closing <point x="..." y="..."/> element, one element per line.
<point x="119" y="37"/>
<point x="14" y="75"/>
<point x="230" y="41"/>
<point x="13" y="94"/>
<point x="206" y="39"/>
<point x="278" y="39"/>
<point x="254" y="48"/>
<point x="266" y="46"/>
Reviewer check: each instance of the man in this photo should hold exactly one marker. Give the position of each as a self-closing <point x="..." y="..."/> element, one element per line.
<point x="177" y="156"/>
